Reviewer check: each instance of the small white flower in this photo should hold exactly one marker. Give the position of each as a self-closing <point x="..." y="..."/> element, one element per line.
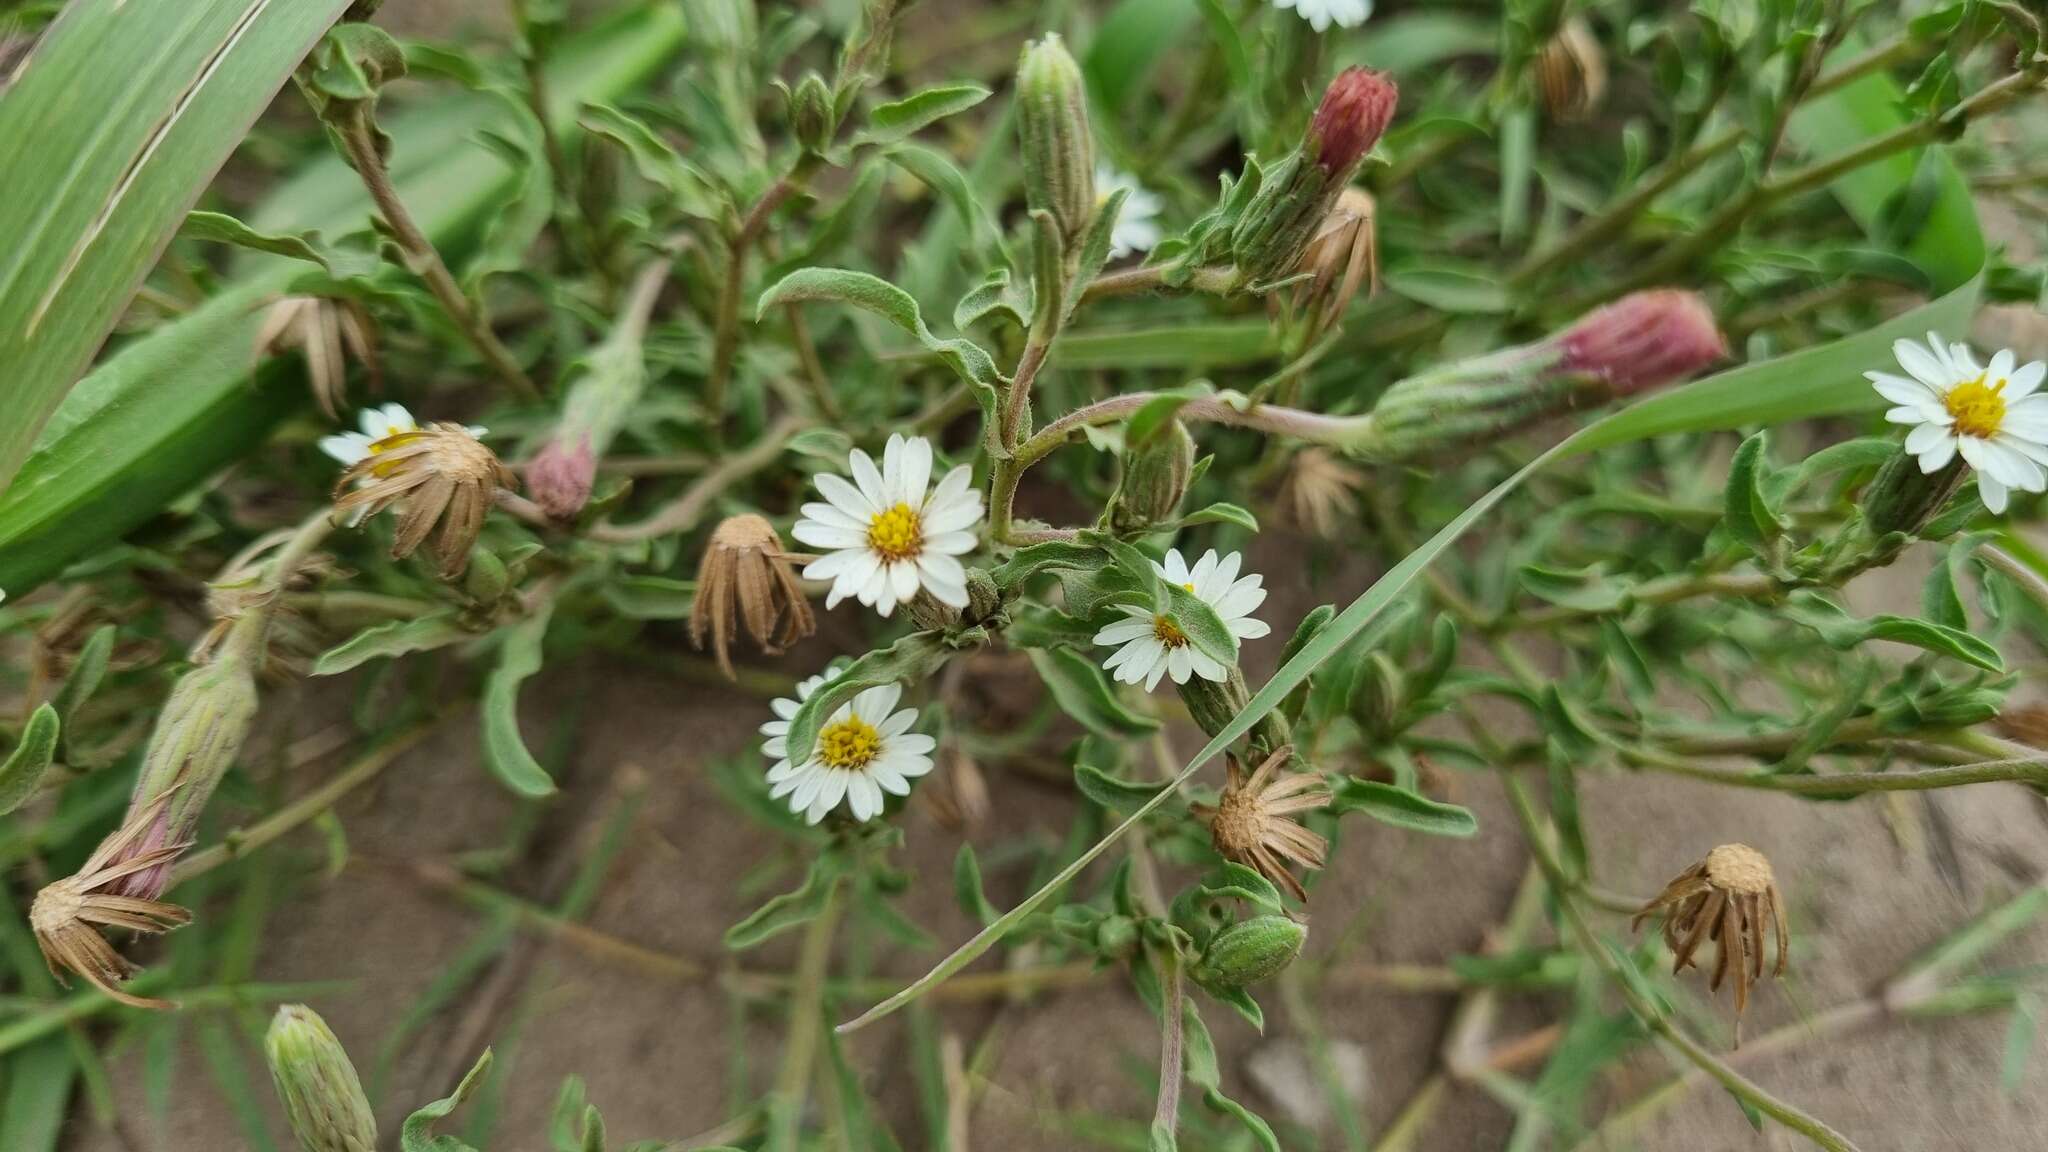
<point x="886" y="536"/>
<point x="1322" y="13"/>
<point x="864" y="750"/>
<point x="1152" y="645"/>
<point x="1990" y="415"/>
<point x="1137" y="223"/>
<point x="377" y="424"/>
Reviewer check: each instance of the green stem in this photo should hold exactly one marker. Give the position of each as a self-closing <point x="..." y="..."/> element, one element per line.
<point x="725" y="336"/>
<point x="2032" y="770"/>
<point x="1166" y="1112"/>
<point x="1648" y="1013"/>
<point x="806" y="1022"/>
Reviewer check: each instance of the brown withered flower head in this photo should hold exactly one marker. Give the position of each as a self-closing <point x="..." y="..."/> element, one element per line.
<point x="326" y="332"/>
<point x="67" y="915"/>
<point x="1343" y="256"/>
<point x="1253" y="822"/>
<point x="1724" y="898"/>
<point x="1571" y="71"/>
<point x="1320" y="492"/>
<point x="439" y="474"/>
<point x="746" y="576"/>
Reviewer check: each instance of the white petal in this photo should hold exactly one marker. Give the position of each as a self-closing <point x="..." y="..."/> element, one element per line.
<point x="869" y="478"/>
<point x="874" y="704"/>
<point x="821" y="535"/>
<point x="834" y="515"/>
<point x="1123" y="630"/>
<point x="2024" y="381"/>
<point x="846" y="498"/>
<point x="1249" y="629"/>
<point x="1992" y="493"/>
<point x="917" y="471"/>
<point x="1926" y="436"/>
<point x="1898" y="389"/>
<point x="1175" y="568"/>
<point x="1922" y="364"/>
<point x="1936" y="458"/>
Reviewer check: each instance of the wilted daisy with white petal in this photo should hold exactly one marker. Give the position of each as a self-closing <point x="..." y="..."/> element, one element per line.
<point x="1990" y="415"/>
<point x="1152" y="646"/>
<point x="889" y="532"/>
<point x="378" y="423"/>
<point x="865" y="749"/>
<point x="1137" y="222"/>
<point x="1322" y="13"/>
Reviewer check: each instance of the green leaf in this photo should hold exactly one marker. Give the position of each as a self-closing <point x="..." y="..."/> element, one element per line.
<point x="654" y="597"/>
<point x="1083" y="692"/>
<point x="1203" y="1071"/>
<point x="1199" y="622"/>
<point x="788" y="910"/>
<point x="1241" y="883"/>
<point x="967" y="886"/>
<point x="1223" y="513"/>
<point x="693" y="192"/>
<point x="128" y="113"/>
<point x="1587" y="590"/>
<point x="893" y="304"/>
<point x="1133" y="37"/>
<point x="1402" y="808"/>
<point x="907" y="661"/>
<point x="1111" y="793"/>
<point x="395" y="638"/>
<point x="23" y="770"/>
<point x="417" y="1135"/>
<point x="1156" y="414"/>
<point x="86" y="673"/>
<point x="941" y="175"/>
<point x="1870" y="452"/>
<point x="892" y="122"/>
<point x="1746" y="513"/>
<point x="505" y="751"/>
<point x="340" y="263"/>
<point x="1843" y="631"/>
<point x="1451" y="289"/>
<point x="1052" y="555"/>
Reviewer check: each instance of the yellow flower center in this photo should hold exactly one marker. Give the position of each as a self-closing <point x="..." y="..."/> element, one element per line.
<point x="1167" y="632"/>
<point x="1978" y="408"/>
<point x="898" y="534"/>
<point x="1190" y="585"/>
<point x="849" y="745"/>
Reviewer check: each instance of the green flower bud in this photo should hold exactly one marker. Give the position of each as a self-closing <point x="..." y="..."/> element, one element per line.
<point x="1213" y="705"/>
<point x="1155" y="478"/>
<point x="984" y="598"/>
<point x="1115" y="935"/>
<point x="811" y="115"/>
<point x="929" y="615"/>
<point x="322" y="1097"/>
<point x="1250" y="951"/>
<point x="1377" y="698"/>
<point x="1059" y="148"/>
<point x="1902" y="498"/>
<point x="487" y="579"/>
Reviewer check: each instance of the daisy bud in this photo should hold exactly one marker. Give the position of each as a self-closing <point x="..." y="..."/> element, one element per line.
<point x="1301" y="190"/>
<point x="1902" y="498"/>
<point x="1250" y="951"/>
<point x="745" y="577"/>
<point x="931" y="616"/>
<point x="560" y="476"/>
<point x="1639" y="342"/>
<point x="1156" y="476"/>
<point x="437" y="475"/>
<point x="1571" y="72"/>
<point x="323" y="1099"/>
<point x="811" y="116"/>
<point x="1059" y="148"/>
<point x="1377" y="698"/>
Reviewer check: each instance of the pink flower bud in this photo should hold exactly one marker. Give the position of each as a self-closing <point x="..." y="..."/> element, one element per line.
<point x="560" y="476"/>
<point x="149" y="883"/>
<point x="1644" y="340"/>
<point x="1354" y="114"/>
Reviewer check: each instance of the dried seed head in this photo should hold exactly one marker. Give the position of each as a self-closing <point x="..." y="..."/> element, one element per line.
<point x="1253" y="822"/>
<point x="67" y="914"/>
<point x="1320" y="492"/>
<point x="323" y="1098"/>
<point x="560" y="476"/>
<point x="745" y="575"/>
<point x="326" y="332"/>
<point x="440" y="474"/>
<point x="1343" y="255"/>
<point x="1572" y="72"/>
<point x="1725" y="898"/>
<point x="1644" y="340"/>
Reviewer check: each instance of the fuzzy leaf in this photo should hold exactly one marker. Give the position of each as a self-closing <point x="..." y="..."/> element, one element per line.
<point x="1402" y="808"/>
<point x="788" y="910"/>
<point x="892" y="122"/>
<point x="1111" y="793"/>
<point x="23" y="770"/>
<point x="505" y="751"/>
<point x="396" y="638"/>
<point x="967" y="886"/>
<point x="340" y="263"/>
<point x="1083" y="692"/>
<point x="907" y="661"/>
<point x="1841" y="630"/>
<point x="418" y="1133"/>
<point x="893" y="304"/>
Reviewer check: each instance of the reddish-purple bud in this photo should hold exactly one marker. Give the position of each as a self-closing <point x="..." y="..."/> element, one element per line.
<point x="1644" y="340"/>
<point x="1356" y="109"/>
<point x="560" y="476"/>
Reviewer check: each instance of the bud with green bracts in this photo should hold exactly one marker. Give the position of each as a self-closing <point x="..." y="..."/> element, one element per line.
<point x="560" y="476"/>
<point x="1640" y="342"/>
<point x="197" y="736"/>
<point x="1212" y="705"/>
<point x="1250" y="951"/>
<point x="1156" y="475"/>
<point x="1298" y="192"/>
<point x="812" y="118"/>
<point x="323" y="1099"/>
<point x="1376" y="698"/>
<point x="1059" y="147"/>
<point x="1902" y="498"/>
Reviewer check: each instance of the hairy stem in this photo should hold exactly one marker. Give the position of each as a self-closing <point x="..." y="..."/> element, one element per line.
<point x="725" y="332"/>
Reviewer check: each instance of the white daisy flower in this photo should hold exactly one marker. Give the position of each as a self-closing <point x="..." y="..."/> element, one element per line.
<point x="1322" y="13"/>
<point x="886" y="535"/>
<point x="1137" y="222"/>
<point x="1989" y="415"/>
<point x="378" y="423"/>
<point x="1152" y="645"/>
<point x="864" y="750"/>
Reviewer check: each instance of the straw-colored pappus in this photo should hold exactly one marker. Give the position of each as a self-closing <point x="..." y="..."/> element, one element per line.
<point x="1571" y="72"/>
<point x="1724" y="899"/>
<point x="1255" y="822"/>
<point x="68" y="914"/>
<point x="745" y="579"/>
<point x="327" y="331"/>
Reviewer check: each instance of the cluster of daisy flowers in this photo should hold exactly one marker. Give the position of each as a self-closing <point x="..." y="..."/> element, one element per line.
<point x="1990" y="415"/>
<point x="889" y="535"/>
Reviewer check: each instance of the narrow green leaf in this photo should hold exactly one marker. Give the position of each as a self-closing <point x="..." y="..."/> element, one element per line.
<point x="1746" y="514"/>
<point x="86" y="673"/>
<point x="889" y="123"/>
<point x="340" y="263"/>
<point x="505" y="751"/>
<point x="967" y="886"/>
<point x="23" y="770"/>
<point x="417" y="1134"/>
<point x="1402" y="808"/>
<point x="1113" y="794"/>
<point x="395" y="638"/>
<point x="1083" y="692"/>
<point x="893" y="304"/>
<point x="788" y="910"/>
<point x="1222" y="512"/>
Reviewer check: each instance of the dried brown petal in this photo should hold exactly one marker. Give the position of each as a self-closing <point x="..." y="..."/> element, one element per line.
<point x="1253" y="823"/>
<point x="1725" y="899"/>
<point x="439" y="475"/>
<point x="66" y="912"/>
<point x="745" y="577"/>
